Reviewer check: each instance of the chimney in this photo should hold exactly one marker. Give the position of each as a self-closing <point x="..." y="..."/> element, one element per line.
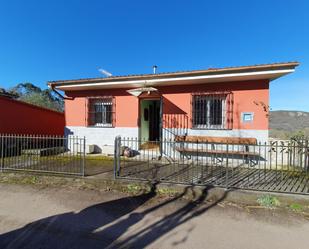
<point x="154" y="69"/>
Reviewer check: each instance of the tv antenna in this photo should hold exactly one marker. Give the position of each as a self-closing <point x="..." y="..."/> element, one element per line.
<point x="104" y="72"/>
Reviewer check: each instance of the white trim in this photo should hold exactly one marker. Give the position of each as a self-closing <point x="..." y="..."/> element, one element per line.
<point x="269" y="74"/>
<point x="103" y="138"/>
<point x="100" y="136"/>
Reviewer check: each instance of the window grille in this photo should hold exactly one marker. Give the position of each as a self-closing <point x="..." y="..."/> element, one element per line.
<point x="212" y="110"/>
<point x="101" y="111"/>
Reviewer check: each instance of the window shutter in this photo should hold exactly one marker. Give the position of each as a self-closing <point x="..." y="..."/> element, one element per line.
<point x="113" y="112"/>
<point x="90" y="112"/>
<point x="88" y="118"/>
<point x="229" y="111"/>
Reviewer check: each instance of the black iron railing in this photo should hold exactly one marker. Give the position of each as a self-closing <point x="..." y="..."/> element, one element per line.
<point x="280" y="166"/>
<point x="46" y="154"/>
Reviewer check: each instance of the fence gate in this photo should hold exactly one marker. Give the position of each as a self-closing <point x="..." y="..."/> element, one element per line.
<point x="44" y="154"/>
<point x="278" y="166"/>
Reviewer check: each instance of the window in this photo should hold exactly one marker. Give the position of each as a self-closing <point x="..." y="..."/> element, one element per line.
<point x="100" y="112"/>
<point x="247" y="117"/>
<point x="209" y="111"/>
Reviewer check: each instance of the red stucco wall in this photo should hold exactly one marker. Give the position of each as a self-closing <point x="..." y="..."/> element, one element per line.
<point x="17" y="117"/>
<point x="248" y="96"/>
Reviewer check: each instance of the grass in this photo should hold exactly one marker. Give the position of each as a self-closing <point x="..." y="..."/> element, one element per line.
<point x="296" y="207"/>
<point x="133" y="188"/>
<point x="94" y="164"/>
<point x="99" y="157"/>
<point x="268" y="201"/>
<point x="166" y="191"/>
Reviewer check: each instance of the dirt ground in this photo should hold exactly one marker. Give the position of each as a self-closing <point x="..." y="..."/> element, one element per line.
<point x="50" y="217"/>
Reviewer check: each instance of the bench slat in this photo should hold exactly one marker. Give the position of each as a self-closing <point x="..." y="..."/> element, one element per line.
<point x="217" y="140"/>
<point x="192" y="150"/>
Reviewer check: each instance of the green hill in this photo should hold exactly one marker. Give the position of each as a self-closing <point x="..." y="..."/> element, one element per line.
<point x="286" y="124"/>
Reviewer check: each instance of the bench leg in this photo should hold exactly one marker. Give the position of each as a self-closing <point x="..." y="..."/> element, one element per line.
<point x="214" y="157"/>
<point x="247" y="159"/>
<point x="253" y="162"/>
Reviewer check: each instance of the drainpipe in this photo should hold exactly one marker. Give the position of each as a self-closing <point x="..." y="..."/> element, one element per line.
<point x="52" y="87"/>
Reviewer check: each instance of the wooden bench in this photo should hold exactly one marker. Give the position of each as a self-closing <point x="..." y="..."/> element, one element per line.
<point x="213" y="141"/>
<point x="217" y="140"/>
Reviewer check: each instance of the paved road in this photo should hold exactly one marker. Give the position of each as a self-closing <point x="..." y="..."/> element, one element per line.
<point x="69" y="218"/>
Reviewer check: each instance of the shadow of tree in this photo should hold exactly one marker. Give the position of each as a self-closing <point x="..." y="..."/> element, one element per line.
<point x="102" y="225"/>
<point x="155" y="230"/>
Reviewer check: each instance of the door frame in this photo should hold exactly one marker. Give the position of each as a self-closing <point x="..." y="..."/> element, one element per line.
<point x="160" y="99"/>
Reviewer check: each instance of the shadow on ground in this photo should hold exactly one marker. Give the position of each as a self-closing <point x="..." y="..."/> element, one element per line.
<point x="102" y="225"/>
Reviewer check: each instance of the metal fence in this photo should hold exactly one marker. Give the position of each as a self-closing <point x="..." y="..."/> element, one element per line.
<point x="279" y="166"/>
<point x="45" y="154"/>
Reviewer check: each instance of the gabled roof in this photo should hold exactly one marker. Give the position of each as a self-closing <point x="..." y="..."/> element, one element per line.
<point x="210" y="75"/>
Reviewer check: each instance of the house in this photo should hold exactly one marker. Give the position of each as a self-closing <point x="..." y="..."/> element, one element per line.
<point x="17" y="117"/>
<point x="219" y="102"/>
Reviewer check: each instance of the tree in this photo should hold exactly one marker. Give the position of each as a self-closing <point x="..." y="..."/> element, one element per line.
<point x="42" y="100"/>
<point x="32" y="94"/>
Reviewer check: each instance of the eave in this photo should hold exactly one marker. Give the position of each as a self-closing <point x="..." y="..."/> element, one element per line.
<point x="243" y="74"/>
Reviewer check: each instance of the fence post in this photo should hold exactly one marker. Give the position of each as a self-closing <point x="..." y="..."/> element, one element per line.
<point x="195" y="169"/>
<point x="226" y="166"/>
<point x="116" y="156"/>
<point x="84" y="155"/>
<point x="307" y="156"/>
<point x="2" y="155"/>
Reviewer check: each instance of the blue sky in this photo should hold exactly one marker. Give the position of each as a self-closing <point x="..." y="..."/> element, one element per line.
<point x="51" y="40"/>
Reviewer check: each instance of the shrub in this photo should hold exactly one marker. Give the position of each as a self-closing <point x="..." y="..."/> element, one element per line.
<point x="268" y="201"/>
